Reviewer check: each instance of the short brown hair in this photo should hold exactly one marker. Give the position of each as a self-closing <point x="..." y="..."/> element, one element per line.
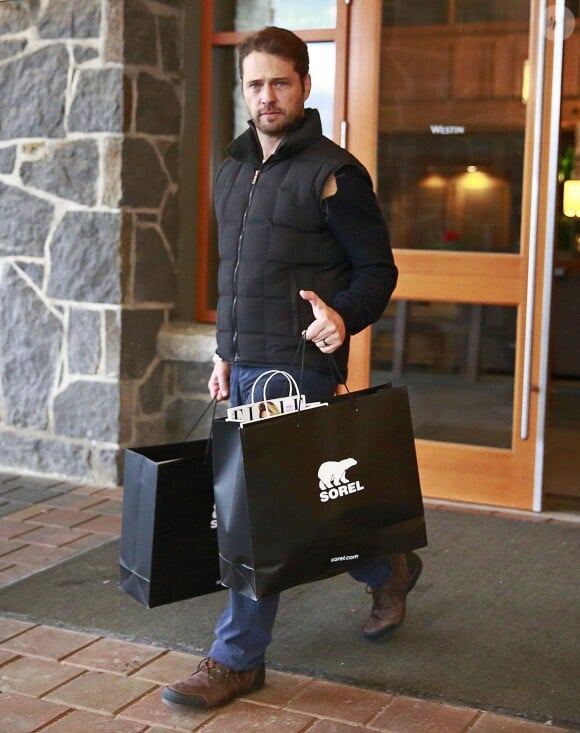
<point x="278" y="42"/>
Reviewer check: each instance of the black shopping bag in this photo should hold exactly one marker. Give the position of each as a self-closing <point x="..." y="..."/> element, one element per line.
<point x="305" y="496"/>
<point x="169" y="548"/>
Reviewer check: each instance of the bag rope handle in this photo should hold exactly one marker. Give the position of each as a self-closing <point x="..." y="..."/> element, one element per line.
<point x="337" y="373"/>
<point x="301" y="350"/>
<point x="213" y="404"/>
<point x="274" y="372"/>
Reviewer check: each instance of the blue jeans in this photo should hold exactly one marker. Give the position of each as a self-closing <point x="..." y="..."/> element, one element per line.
<point x="244" y="630"/>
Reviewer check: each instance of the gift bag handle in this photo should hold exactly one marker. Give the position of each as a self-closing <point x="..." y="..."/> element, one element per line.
<point x="273" y="373"/>
<point x="301" y="348"/>
<point x="341" y="380"/>
<point x="213" y="404"/>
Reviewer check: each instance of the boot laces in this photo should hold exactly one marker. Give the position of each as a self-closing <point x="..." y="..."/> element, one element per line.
<point x="207" y="665"/>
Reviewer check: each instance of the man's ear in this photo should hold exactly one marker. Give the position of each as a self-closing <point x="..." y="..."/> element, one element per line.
<point x="307" y="86"/>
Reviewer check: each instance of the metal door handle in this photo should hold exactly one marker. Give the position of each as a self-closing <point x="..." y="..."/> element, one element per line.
<point x="538" y="100"/>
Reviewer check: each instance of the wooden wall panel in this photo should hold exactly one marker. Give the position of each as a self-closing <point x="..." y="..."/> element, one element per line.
<point x="414" y="70"/>
<point x="478" y="115"/>
<point x="473" y="68"/>
<point x="467" y="75"/>
<point x="571" y="72"/>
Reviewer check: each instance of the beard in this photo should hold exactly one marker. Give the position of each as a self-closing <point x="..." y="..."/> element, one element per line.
<point x="277" y="127"/>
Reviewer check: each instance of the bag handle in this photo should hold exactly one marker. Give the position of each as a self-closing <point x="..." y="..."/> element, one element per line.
<point x="273" y="373"/>
<point x="213" y="404"/>
<point x="302" y="349"/>
<point x="341" y="380"/>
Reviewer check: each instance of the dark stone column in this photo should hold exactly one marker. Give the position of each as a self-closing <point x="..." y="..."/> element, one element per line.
<point x="90" y="126"/>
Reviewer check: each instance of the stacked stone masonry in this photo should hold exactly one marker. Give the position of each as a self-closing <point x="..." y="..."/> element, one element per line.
<point x="90" y="125"/>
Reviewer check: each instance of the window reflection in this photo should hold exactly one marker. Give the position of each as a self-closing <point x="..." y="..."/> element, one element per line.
<point x="452" y="192"/>
<point x="395" y="12"/>
<point x="322" y="70"/>
<point x="457" y="360"/>
<point x="441" y="12"/>
<point x="302" y="14"/>
<point x="250" y="15"/>
<point x="492" y="11"/>
<point x="451" y="124"/>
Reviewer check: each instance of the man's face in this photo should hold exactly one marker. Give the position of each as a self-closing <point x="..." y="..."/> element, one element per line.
<point x="274" y="92"/>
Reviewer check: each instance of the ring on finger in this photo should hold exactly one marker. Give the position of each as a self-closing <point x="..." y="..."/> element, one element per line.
<point x="325" y="342"/>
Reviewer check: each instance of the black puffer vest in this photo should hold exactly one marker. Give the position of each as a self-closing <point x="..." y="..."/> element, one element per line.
<point x="273" y="242"/>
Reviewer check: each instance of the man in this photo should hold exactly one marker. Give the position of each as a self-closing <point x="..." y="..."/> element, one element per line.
<point x="303" y="250"/>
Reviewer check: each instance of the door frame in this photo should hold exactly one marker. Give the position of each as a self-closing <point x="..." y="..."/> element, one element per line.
<point x="470" y="473"/>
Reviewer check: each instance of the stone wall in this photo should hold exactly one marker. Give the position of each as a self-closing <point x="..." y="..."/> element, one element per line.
<point x="90" y="123"/>
<point x="150" y="182"/>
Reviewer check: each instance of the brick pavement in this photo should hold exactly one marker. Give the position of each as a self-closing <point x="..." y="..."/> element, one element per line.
<point x="58" y="680"/>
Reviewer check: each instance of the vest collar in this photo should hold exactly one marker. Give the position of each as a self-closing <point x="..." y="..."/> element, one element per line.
<point x="247" y="149"/>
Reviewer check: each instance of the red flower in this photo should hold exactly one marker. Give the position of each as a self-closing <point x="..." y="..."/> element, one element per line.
<point x="450" y="236"/>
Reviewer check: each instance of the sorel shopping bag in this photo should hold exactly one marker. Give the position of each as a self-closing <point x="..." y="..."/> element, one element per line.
<point x="169" y="548"/>
<point x="308" y="495"/>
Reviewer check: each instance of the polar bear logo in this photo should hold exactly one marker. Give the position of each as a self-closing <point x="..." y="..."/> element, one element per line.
<point x="332" y="473"/>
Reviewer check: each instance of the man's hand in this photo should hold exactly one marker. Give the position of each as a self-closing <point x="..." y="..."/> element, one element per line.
<point x="327" y="330"/>
<point x="219" y="381"/>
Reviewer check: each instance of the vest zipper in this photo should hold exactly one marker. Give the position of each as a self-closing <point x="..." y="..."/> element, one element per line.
<point x="237" y="265"/>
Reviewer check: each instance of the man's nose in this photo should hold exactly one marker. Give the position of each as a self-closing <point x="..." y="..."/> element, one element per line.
<point x="268" y="93"/>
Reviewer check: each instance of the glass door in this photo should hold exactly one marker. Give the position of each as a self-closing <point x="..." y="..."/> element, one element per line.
<point x="461" y="154"/>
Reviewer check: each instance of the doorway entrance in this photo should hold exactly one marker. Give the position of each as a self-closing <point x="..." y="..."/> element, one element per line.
<point x="454" y="106"/>
<point x="463" y="153"/>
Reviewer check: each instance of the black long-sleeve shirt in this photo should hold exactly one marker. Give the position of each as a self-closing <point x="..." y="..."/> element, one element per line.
<point x="355" y="220"/>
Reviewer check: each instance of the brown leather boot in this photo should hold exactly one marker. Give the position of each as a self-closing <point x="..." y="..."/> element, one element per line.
<point x="388" y="609"/>
<point x="213" y="684"/>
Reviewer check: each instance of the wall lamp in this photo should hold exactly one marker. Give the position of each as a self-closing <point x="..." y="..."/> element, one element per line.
<point x="571" y="203"/>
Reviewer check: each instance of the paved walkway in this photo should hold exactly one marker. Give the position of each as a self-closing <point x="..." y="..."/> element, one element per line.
<point x="58" y="680"/>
